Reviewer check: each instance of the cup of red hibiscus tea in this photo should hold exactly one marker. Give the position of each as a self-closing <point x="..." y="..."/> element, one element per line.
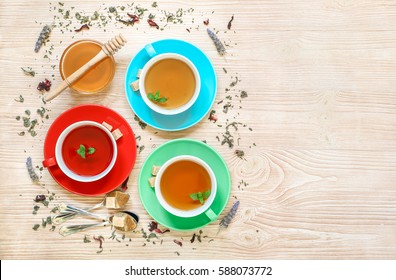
<point x="85" y="151"/>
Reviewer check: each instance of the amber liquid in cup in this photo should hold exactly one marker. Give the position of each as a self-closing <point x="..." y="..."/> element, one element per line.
<point x="96" y="78"/>
<point x="173" y="79"/>
<point x="182" y="178"/>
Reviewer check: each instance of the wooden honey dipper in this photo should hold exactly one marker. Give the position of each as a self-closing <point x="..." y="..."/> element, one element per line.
<point x="108" y="49"/>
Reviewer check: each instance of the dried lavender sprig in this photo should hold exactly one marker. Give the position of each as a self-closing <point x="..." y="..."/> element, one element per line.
<point x="219" y="45"/>
<point x="44" y="34"/>
<point x="32" y="173"/>
<point x="228" y="218"/>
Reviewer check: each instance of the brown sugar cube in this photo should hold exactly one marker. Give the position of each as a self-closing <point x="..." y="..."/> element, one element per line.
<point x="108" y="126"/>
<point x="111" y="202"/>
<point x="139" y="73"/>
<point x="119" y="220"/>
<point x="155" y="169"/>
<point x="135" y="85"/>
<point x="117" y="134"/>
<point x="152" y="182"/>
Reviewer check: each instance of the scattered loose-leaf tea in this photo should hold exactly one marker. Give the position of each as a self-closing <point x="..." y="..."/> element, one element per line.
<point x="229" y="23"/>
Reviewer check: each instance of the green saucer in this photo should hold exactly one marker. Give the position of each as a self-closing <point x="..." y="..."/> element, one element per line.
<point x="184" y="147"/>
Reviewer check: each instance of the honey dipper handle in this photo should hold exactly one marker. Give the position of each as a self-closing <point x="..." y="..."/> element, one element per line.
<point x="73" y="77"/>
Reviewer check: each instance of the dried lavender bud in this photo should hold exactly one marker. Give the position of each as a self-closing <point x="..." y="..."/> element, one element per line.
<point x="32" y="173"/>
<point x="44" y="34"/>
<point x="228" y="218"/>
<point x="219" y="45"/>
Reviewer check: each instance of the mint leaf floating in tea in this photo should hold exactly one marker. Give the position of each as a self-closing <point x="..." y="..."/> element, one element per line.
<point x="156" y="97"/>
<point x="81" y="151"/>
<point x="201" y="196"/>
<point x="91" y="150"/>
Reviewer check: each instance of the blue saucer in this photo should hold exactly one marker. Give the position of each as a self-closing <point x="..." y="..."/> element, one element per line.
<point x="206" y="96"/>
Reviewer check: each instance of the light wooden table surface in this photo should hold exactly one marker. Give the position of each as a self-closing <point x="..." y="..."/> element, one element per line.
<point x="319" y="173"/>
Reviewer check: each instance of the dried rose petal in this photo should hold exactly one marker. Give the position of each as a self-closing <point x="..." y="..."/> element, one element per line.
<point x="153" y="226"/>
<point x="157" y="230"/>
<point x="100" y="239"/>
<point x="39" y="198"/>
<point x="212" y="116"/>
<point x="124" y="186"/>
<point x="44" y="85"/>
<point x="152" y="23"/>
<point x="134" y="18"/>
<point x="206" y="22"/>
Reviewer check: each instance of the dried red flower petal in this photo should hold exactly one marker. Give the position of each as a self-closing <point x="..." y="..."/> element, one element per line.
<point x="124" y="186"/>
<point x="229" y="23"/>
<point x="157" y="230"/>
<point x="212" y="116"/>
<point x="84" y="26"/>
<point x="39" y="198"/>
<point x="44" y="85"/>
<point x="100" y="239"/>
<point x="152" y="23"/>
<point x="178" y="242"/>
<point x="134" y="18"/>
<point x="153" y="226"/>
<point x="206" y="22"/>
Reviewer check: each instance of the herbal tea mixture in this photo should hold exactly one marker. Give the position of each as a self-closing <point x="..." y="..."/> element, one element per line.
<point x="70" y="21"/>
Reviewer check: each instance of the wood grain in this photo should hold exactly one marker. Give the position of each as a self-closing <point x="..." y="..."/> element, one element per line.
<point x="319" y="128"/>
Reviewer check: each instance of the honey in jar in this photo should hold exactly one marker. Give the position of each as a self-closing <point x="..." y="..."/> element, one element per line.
<point x="96" y="78"/>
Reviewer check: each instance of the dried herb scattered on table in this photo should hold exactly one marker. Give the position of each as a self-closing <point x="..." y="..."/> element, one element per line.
<point x="44" y="35"/>
<point x="240" y="153"/>
<point x="140" y="122"/>
<point x="230" y="22"/>
<point x="219" y="45"/>
<point x="84" y="26"/>
<point x="29" y="71"/>
<point x="20" y="99"/>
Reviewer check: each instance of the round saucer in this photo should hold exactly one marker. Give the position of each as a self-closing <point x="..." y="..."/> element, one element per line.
<point x="184" y="147"/>
<point x="201" y="106"/>
<point x="126" y="149"/>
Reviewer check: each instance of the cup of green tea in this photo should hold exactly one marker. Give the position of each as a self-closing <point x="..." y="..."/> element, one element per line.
<point x="169" y="83"/>
<point x="186" y="187"/>
<point x="85" y="151"/>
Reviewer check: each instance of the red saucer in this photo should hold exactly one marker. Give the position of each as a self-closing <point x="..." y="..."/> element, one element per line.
<point x="126" y="149"/>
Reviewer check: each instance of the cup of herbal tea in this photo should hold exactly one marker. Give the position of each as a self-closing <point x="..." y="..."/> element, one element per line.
<point x="85" y="151"/>
<point x="186" y="187"/>
<point x="169" y="83"/>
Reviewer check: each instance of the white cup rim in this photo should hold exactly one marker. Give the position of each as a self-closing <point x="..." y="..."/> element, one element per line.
<point x="61" y="163"/>
<point x="186" y="213"/>
<point x="157" y="108"/>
